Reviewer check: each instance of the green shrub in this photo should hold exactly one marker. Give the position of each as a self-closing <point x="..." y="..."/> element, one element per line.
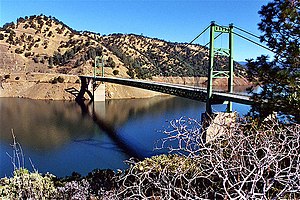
<point x="27" y="185"/>
<point x="60" y="79"/>
<point x="18" y="51"/>
<point x="54" y="81"/>
<point x="130" y="73"/>
<point x="7" y="76"/>
<point x="27" y="54"/>
<point x="36" y="59"/>
<point x="116" y="72"/>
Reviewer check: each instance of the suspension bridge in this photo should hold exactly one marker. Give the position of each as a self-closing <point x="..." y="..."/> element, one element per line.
<point x="207" y="94"/>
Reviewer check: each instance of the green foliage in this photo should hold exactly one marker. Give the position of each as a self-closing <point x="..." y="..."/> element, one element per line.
<point x="20" y="20"/>
<point x="279" y="79"/>
<point x="60" y="79"/>
<point x="32" y="185"/>
<point x="110" y="63"/>
<point x="58" y="30"/>
<point x="161" y="177"/>
<point x="50" y="62"/>
<point x="18" y="51"/>
<point x="54" y="81"/>
<point x="116" y="72"/>
<point x="27" y="54"/>
<point x="27" y="185"/>
<point x="59" y="59"/>
<point x="130" y="73"/>
<point x="172" y="163"/>
<point x="162" y="58"/>
<point x="7" y="26"/>
<point x="101" y="181"/>
<point x="7" y="76"/>
<point x="77" y="63"/>
<point x="142" y="73"/>
<point x="35" y="59"/>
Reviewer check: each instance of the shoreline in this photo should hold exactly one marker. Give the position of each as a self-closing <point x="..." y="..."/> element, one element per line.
<point x="44" y="86"/>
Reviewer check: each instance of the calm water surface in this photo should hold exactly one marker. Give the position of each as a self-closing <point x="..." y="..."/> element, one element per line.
<point x="59" y="138"/>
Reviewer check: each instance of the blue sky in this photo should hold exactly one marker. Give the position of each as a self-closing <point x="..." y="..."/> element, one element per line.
<point x="176" y="21"/>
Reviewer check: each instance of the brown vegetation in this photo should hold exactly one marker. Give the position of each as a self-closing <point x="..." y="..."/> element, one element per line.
<point x="45" y="44"/>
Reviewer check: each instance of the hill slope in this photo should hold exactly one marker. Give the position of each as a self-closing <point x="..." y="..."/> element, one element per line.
<point x="45" y="44"/>
<point x="37" y="51"/>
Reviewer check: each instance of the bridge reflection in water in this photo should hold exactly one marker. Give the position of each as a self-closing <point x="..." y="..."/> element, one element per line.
<point x="58" y="139"/>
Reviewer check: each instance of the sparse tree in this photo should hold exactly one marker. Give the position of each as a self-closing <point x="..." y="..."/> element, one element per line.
<point x="20" y="20"/>
<point x="110" y="63"/>
<point x="36" y="59"/>
<point x="130" y="73"/>
<point x="50" y="62"/>
<point x="280" y="78"/>
<point x="26" y="26"/>
<point x="77" y="63"/>
<point x="27" y="54"/>
<point x="18" y="51"/>
<point x="116" y="72"/>
<point x="50" y="34"/>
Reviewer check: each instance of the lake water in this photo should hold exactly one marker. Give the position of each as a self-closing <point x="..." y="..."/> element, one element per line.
<point x="60" y="138"/>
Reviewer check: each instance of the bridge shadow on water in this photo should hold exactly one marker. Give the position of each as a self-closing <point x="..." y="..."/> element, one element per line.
<point x="88" y="110"/>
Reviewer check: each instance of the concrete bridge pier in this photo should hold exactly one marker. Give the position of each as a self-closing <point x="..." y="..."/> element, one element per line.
<point x="99" y="92"/>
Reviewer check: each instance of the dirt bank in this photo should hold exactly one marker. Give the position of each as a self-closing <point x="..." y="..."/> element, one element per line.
<point x="237" y="81"/>
<point x="38" y="86"/>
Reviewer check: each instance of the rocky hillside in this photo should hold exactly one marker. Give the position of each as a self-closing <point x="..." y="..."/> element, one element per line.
<point x="46" y="45"/>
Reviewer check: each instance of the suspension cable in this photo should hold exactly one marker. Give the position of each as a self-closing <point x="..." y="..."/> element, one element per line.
<point x="254" y="42"/>
<point x="214" y="38"/>
<point x="196" y="37"/>
<point x="185" y="46"/>
<point x="246" y="32"/>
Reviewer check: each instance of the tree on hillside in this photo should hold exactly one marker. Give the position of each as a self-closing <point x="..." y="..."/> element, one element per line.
<point x="280" y="78"/>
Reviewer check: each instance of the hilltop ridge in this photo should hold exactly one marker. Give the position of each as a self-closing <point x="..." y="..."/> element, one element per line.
<point x="45" y="44"/>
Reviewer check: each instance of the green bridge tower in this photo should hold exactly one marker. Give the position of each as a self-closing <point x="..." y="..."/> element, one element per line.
<point x="212" y="74"/>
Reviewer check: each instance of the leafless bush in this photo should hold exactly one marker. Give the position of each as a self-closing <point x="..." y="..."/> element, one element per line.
<point x="246" y="162"/>
<point x="17" y="157"/>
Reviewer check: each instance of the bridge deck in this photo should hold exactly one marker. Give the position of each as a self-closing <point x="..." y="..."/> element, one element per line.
<point x="191" y="92"/>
